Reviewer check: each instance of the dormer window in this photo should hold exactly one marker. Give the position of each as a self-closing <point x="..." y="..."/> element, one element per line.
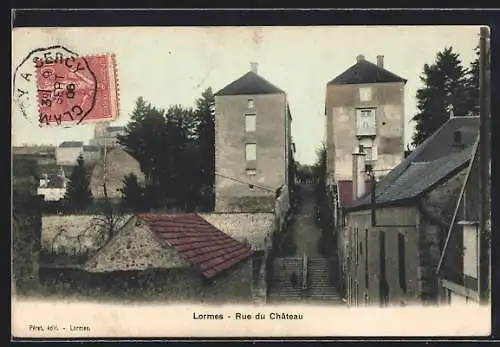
<point x="251" y="104"/>
<point x="365" y="94"/>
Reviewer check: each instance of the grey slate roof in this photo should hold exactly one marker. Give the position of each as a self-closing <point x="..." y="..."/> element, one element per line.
<point x="71" y="144"/>
<point x="366" y="72"/>
<point x="435" y="159"/>
<point x="115" y="128"/>
<point x="248" y="84"/>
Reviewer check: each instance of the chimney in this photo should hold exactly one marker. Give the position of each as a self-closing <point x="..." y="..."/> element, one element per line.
<point x="360" y="57"/>
<point x="380" y="61"/>
<point x="254" y="67"/>
<point x="358" y="174"/>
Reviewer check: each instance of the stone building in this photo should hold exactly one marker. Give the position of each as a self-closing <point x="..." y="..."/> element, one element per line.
<point x="67" y="152"/>
<point x="392" y="239"/>
<point x="253" y="147"/>
<point x="364" y="106"/>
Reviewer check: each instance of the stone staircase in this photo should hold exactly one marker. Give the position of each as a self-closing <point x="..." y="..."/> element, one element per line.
<point x="281" y="288"/>
<point x="320" y="287"/>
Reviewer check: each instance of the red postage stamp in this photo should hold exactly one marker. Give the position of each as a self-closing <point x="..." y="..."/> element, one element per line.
<point x="77" y="89"/>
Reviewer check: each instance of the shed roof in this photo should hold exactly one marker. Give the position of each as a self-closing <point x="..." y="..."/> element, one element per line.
<point x="198" y="241"/>
<point x="71" y="144"/>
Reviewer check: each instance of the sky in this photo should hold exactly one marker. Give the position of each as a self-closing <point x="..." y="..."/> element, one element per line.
<point x="174" y="65"/>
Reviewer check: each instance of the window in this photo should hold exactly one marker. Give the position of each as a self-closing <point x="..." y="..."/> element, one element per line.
<point x="470" y="257"/>
<point x="402" y="262"/>
<point x="251" y="172"/>
<point x="365" y="94"/>
<point x="250" y="122"/>
<point x="251" y="151"/>
<point x="365" y="122"/>
<point x="251" y="104"/>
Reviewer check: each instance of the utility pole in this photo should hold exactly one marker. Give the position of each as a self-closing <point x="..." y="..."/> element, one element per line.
<point x="484" y="162"/>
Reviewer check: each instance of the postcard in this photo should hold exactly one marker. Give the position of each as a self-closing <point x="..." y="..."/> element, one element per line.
<point x="251" y="182"/>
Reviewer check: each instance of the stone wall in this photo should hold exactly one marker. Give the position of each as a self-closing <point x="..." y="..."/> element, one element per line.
<point x="437" y="209"/>
<point x="74" y="234"/>
<point x="162" y="285"/>
<point x="251" y="228"/>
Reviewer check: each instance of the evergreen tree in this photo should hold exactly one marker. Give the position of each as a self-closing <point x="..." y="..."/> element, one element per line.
<point x="446" y="91"/>
<point x="78" y="193"/>
<point x="473" y="84"/>
<point x="205" y="124"/>
<point x="132" y="193"/>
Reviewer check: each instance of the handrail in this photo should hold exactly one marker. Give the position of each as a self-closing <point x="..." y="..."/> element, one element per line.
<point x="304" y="272"/>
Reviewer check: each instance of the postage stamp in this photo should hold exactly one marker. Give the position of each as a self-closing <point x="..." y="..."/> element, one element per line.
<point x="65" y="89"/>
<point x="71" y="92"/>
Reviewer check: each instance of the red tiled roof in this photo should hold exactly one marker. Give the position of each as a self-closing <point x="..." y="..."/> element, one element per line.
<point x="212" y="250"/>
<point x="345" y="191"/>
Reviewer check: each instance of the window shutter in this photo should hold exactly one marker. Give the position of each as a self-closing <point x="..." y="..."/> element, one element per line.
<point x="470" y="257"/>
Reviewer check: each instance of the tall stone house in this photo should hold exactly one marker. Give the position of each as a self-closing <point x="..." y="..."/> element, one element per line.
<point x="393" y="237"/>
<point x="253" y="146"/>
<point x="364" y="107"/>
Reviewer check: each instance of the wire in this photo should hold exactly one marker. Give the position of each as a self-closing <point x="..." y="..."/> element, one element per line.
<point x="251" y="185"/>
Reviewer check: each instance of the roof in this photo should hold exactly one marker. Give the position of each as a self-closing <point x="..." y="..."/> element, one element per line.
<point x="91" y="148"/>
<point x="430" y="163"/>
<point x="345" y="191"/>
<point x="366" y="72"/>
<point x="71" y="144"/>
<point x="198" y="241"/>
<point x="33" y="150"/>
<point x="115" y="128"/>
<point x="248" y="84"/>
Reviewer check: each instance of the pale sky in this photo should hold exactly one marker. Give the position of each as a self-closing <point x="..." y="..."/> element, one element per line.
<point x="173" y="65"/>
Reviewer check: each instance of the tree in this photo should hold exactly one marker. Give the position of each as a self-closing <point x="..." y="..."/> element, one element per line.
<point x="473" y="84"/>
<point x="205" y="129"/>
<point x="446" y="91"/>
<point x="78" y="193"/>
<point x="173" y="148"/>
<point x="132" y="193"/>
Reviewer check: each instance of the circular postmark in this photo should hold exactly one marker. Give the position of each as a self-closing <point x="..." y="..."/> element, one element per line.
<point x="56" y="85"/>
